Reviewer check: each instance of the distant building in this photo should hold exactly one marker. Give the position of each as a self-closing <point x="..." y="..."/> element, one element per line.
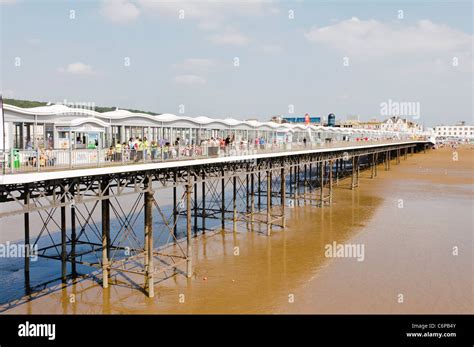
<point x="277" y="119"/>
<point x="331" y="120"/>
<point x="301" y="119"/>
<point x="357" y="124"/>
<point x="390" y="124"/>
<point x="350" y="123"/>
<point x="400" y="124"/>
<point x="460" y="131"/>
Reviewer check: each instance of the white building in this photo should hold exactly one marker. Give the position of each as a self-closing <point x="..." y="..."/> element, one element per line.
<point x="455" y="132"/>
<point x="393" y="124"/>
<point x="400" y="124"/>
<point x="63" y="127"/>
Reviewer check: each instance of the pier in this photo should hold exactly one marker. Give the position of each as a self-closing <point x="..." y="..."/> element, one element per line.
<point x="249" y="192"/>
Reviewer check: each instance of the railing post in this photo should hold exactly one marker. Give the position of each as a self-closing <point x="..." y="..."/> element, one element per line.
<point x="70" y="157"/>
<point x="12" y="160"/>
<point x="38" y="161"/>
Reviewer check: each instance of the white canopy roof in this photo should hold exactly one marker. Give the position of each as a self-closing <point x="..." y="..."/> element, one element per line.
<point x="104" y="119"/>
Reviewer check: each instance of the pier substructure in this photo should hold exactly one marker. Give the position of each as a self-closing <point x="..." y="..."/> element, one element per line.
<point x="142" y="223"/>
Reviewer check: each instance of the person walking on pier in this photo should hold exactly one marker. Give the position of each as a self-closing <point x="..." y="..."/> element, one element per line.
<point x="166" y="149"/>
<point x="131" y="145"/>
<point x="226" y="144"/>
<point x="140" y="149"/>
<point x="118" y="152"/>
<point x="154" y="149"/>
<point x="146" y="148"/>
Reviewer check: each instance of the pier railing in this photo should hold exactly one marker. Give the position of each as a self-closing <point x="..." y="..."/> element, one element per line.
<point x="21" y="161"/>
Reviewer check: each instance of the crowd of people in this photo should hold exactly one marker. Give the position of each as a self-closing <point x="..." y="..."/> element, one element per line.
<point x="229" y="141"/>
<point x="137" y="149"/>
<point x="46" y="158"/>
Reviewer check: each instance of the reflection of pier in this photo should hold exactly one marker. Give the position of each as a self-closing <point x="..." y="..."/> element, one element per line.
<point x="249" y="192"/>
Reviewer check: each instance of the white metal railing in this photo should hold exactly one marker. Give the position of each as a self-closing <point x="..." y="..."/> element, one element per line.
<point x="17" y="161"/>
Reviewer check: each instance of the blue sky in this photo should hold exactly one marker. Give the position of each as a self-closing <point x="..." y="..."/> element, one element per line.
<point x="283" y="61"/>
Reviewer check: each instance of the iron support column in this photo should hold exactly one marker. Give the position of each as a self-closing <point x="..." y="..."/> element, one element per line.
<point x="63" y="238"/>
<point x="223" y="200"/>
<point x="268" y="203"/>
<point x="321" y="181"/>
<point x="203" y="188"/>
<point x="283" y="196"/>
<point x="73" y="237"/>
<point x="189" y="185"/>
<point x="330" y="181"/>
<point x="149" y="267"/>
<point x="234" y="204"/>
<point x="26" y="217"/>
<point x="105" y="234"/>
<point x="252" y="198"/>
<point x="353" y="172"/>
<point x="175" y="209"/>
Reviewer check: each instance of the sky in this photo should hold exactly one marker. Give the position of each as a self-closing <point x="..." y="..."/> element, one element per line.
<point x="243" y="59"/>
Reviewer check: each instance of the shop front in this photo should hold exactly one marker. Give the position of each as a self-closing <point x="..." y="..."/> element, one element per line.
<point x="82" y="137"/>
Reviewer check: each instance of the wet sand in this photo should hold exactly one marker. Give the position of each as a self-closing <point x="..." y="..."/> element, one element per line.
<point x="408" y="250"/>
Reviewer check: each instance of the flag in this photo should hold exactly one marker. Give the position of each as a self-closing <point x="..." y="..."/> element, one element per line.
<point x="306" y="119"/>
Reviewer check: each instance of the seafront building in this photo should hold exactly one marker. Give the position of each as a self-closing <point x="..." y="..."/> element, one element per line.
<point x="460" y="131"/>
<point x="395" y="124"/>
<point x="63" y="127"/>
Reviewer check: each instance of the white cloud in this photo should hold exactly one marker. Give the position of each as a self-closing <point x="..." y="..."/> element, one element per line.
<point x="189" y="79"/>
<point x="230" y="37"/>
<point x="77" y="68"/>
<point x="208" y="24"/>
<point x="371" y="38"/>
<point x="120" y="11"/>
<point x="7" y="2"/>
<point x="272" y="48"/>
<point x="209" y="14"/>
<point x="194" y="64"/>
<point x="209" y="9"/>
<point x="34" y="42"/>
